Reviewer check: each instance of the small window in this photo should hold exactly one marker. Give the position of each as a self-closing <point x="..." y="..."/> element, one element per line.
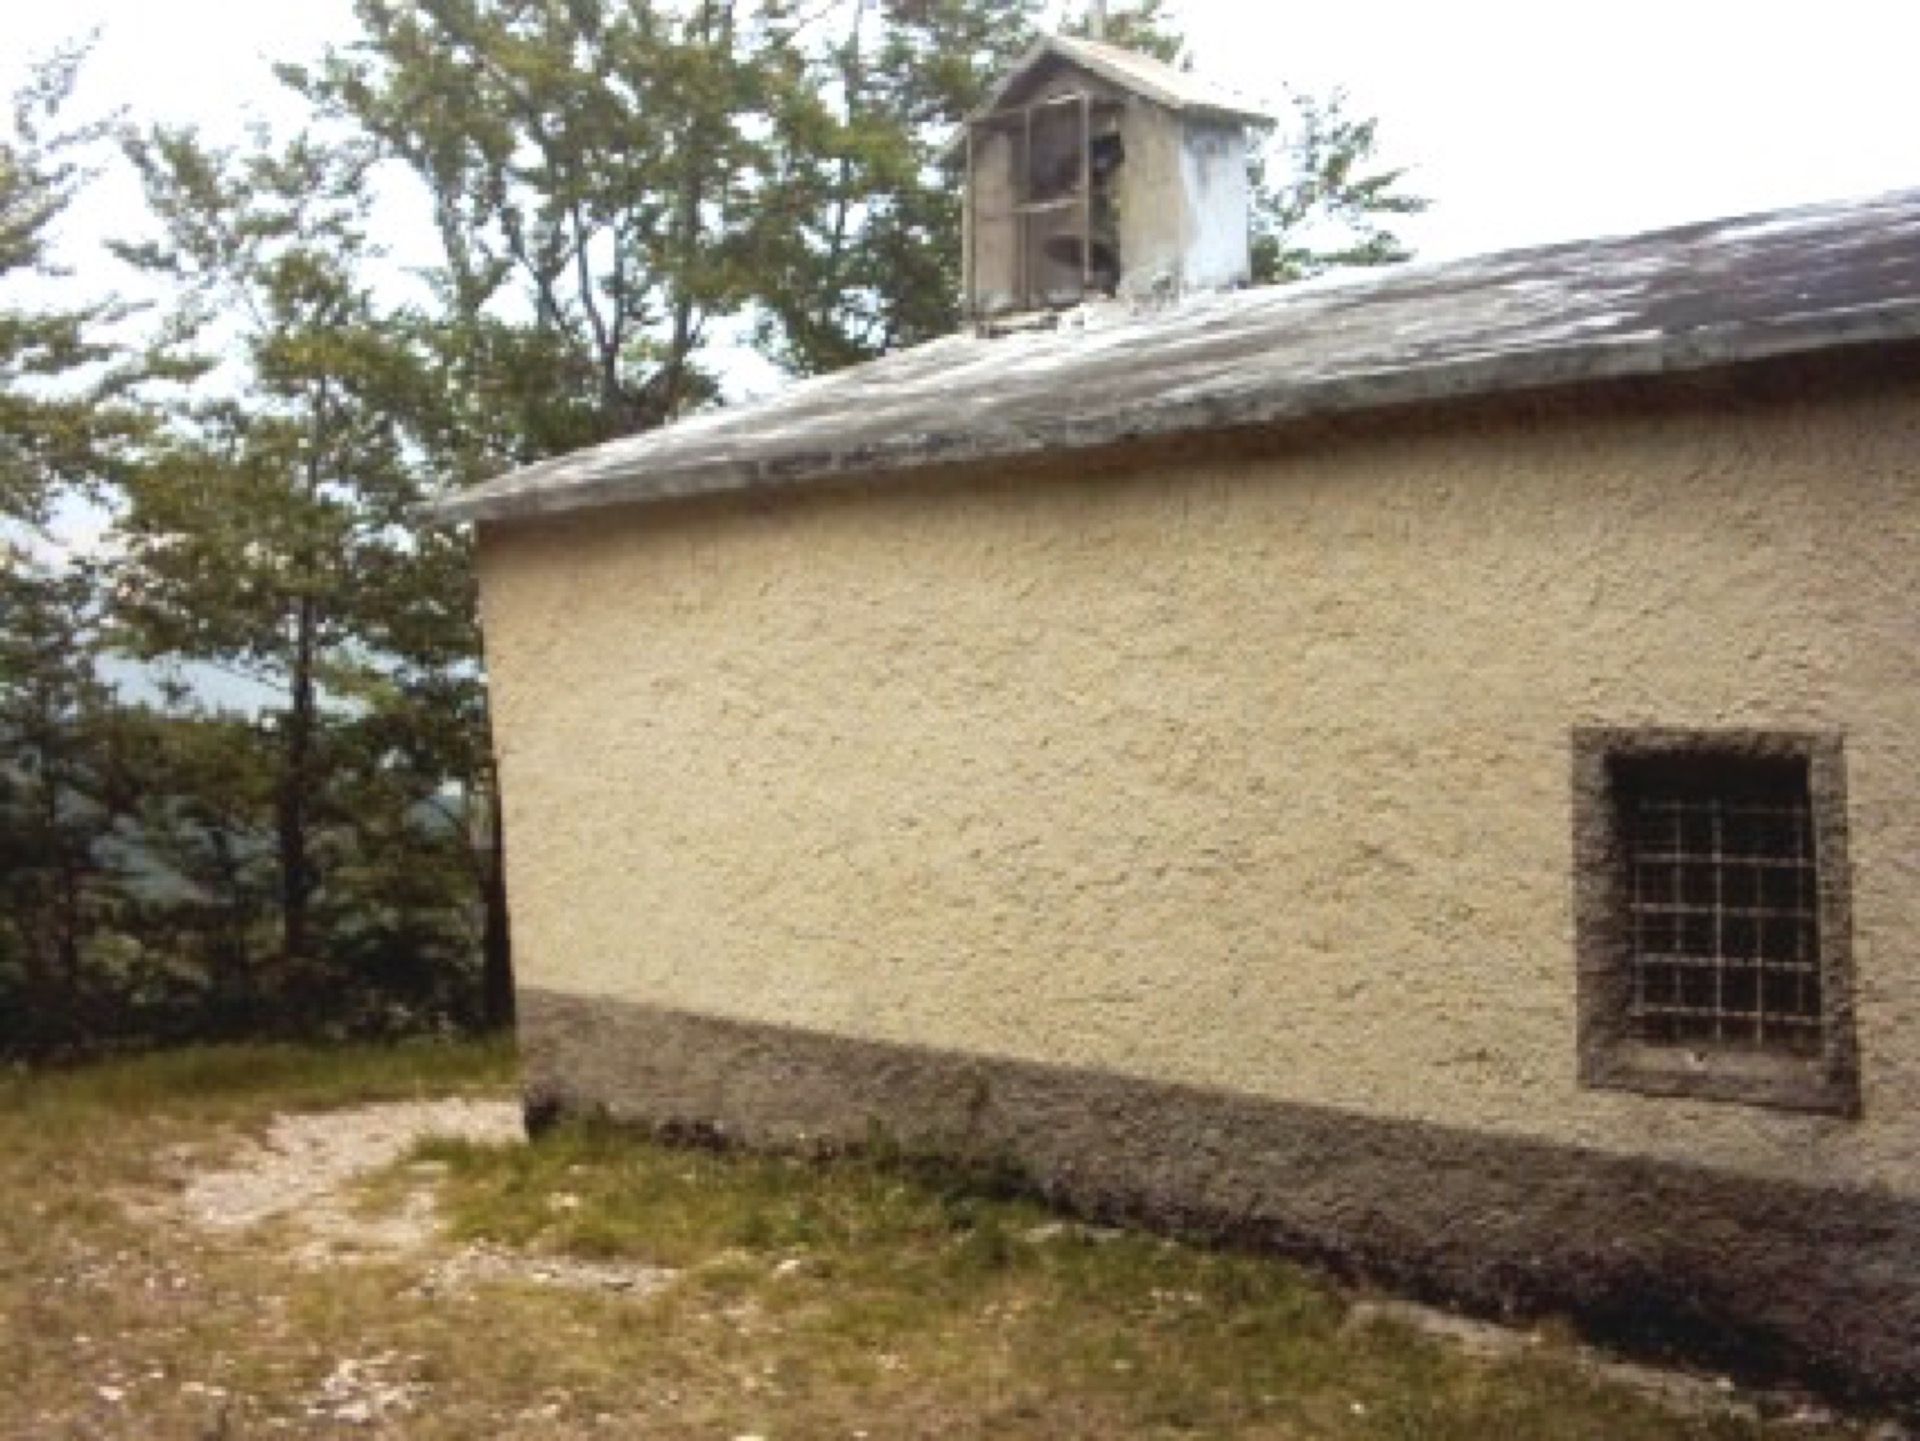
<point x="1713" y="917"/>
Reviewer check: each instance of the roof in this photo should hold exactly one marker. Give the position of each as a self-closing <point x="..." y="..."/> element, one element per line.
<point x="1714" y="294"/>
<point x="1178" y="90"/>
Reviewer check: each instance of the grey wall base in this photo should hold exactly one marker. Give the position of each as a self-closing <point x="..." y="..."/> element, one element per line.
<point x="1768" y="1278"/>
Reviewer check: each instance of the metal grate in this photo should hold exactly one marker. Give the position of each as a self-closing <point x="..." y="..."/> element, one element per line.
<point x="1724" y="909"/>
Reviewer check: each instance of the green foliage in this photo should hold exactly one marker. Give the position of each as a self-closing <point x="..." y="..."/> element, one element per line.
<point x="1320" y="203"/>
<point x="867" y="257"/>
<point x="201" y="906"/>
<point x="270" y="532"/>
<point x="60" y="783"/>
<point x="61" y="789"/>
<point x="1145" y="26"/>
<point x="596" y="184"/>
<point x="60" y="417"/>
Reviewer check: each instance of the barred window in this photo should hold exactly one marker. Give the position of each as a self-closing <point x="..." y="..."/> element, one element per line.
<point x="1712" y="916"/>
<point x="1725" y="926"/>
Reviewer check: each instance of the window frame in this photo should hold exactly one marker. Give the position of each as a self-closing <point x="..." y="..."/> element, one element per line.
<point x="1611" y="1056"/>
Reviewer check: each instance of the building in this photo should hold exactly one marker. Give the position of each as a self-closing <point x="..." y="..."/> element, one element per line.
<point x="1422" y="770"/>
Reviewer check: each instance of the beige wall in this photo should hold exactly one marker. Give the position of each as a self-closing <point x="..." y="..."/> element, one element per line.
<point x="1248" y="770"/>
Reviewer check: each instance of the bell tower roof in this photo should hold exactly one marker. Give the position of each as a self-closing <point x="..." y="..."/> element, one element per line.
<point x="1180" y="91"/>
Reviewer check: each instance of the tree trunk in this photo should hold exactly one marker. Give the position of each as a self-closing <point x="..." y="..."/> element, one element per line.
<point x="295" y="807"/>
<point x="689" y="231"/>
<point x="496" y="974"/>
<point x="72" y="898"/>
<point x="60" y="970"/>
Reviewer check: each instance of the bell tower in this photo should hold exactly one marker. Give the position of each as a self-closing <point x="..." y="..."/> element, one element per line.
<point x="1094" y="172"/>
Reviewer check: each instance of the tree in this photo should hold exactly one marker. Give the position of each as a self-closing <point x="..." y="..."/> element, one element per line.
<point x="269" y="533"/>
<point x="426" y="791"/>
<point x="200" y="884"/>
<point x="1144" y="26"/>
<point x="596" y="185"/>
<point x="63" y="426"/>
<point x="867" y="256"/>
<point x="273" y="534"/>
<point x="1319" y="203"/>
<point x="62" y="786"/>
<point x="613" y="178"/>
<point x="57" y="419"/>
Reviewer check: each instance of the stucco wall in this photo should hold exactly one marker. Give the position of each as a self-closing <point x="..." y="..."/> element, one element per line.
<point x="1184" y="203"/>
<point x="1218" y="248"/>
<point x="1245" y="769"/>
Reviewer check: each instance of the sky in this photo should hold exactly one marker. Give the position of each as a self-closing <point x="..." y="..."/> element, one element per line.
<point x="1523" y="121"/>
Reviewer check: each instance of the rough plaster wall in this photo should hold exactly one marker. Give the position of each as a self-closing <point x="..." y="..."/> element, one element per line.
<point x="1219" y="203"/>
<point x="1152" y="201"/>
<point x="1184" y="204"/>
<point x="1247" y="772"/>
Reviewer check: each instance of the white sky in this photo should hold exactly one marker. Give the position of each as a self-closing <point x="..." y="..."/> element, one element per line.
<point x="1529" y="121"/>
<point x="1524" y="121"/>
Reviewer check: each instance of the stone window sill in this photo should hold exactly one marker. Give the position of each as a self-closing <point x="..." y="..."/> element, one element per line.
<point x="1793" y="1083"/>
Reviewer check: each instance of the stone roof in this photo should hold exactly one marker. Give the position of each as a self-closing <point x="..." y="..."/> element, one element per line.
<point x="1713" y="294"/>
<point x="1178" y="90"/>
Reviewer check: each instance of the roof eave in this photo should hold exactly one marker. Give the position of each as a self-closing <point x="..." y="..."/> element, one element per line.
<point x="1469" y="378"/>
<point x="1075" y="55"/>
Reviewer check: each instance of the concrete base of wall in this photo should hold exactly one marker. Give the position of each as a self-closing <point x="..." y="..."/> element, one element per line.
<point x="1769" y="1278"/>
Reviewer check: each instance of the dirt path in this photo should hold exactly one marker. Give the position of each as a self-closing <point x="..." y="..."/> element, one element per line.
<point x="309" y="1161"/>
<point x="306" y="1176"/>
<point x="304" y="1183"/>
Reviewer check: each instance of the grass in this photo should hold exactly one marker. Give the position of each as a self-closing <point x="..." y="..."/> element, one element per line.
<point x="215" y="1083"/>
<point x="861" y="1297"/>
